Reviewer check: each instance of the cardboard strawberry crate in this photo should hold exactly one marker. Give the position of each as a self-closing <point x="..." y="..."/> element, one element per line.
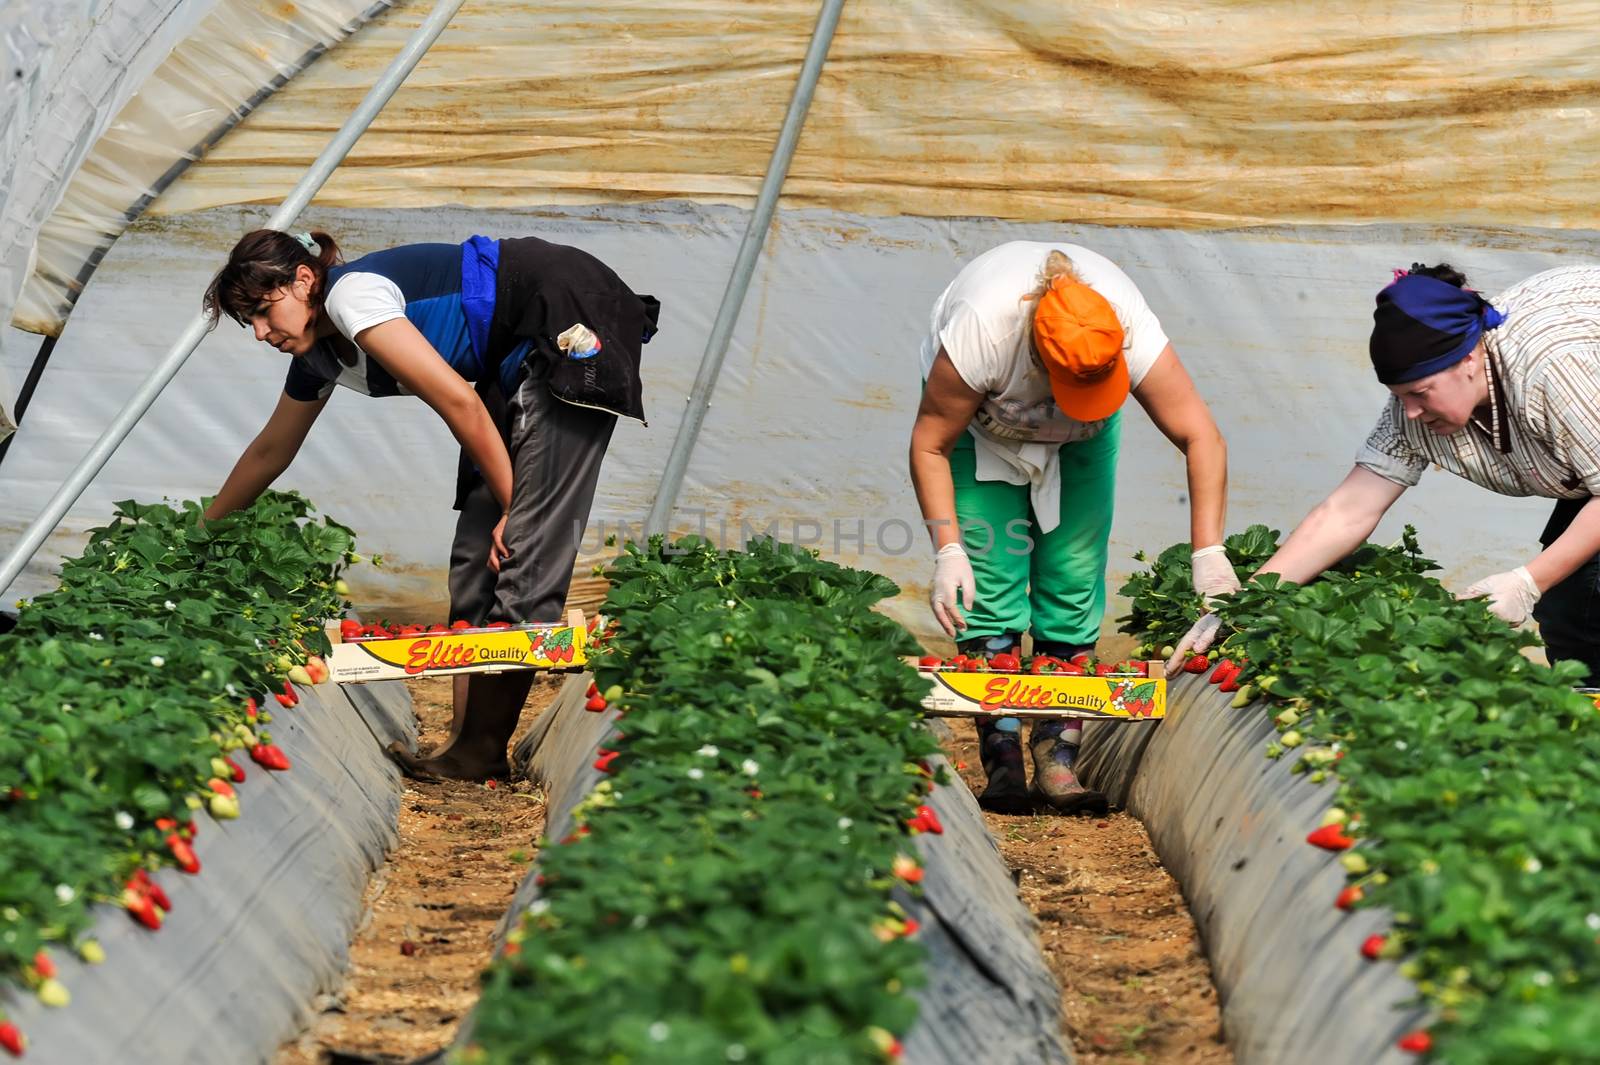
<point x="432" y="653"/>
<point x="980" y="693"/>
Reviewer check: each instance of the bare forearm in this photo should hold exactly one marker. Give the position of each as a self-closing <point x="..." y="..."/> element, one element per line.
<point x="936" y="494"/>
<point x="254" y="472"/>
<point x="1207" y="460"/>
<point x="480" y="439"/>
<point x="1577" y="545"/>
<point x="1328" y="534"/>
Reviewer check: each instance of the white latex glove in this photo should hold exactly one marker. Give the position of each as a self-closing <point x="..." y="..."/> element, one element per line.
<point x="952" y="573"/>
<point x="1213" y="574"/>
<point x="1511" y="595"/>
<point x="1197" y="641"/>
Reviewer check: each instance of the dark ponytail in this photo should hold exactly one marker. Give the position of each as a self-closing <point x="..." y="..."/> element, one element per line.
<point x="262" y="261"/>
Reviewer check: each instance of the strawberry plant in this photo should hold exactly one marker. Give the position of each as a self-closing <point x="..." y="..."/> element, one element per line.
<point x="125" y="689"/>
<point x="1466" y="782"/>
<point x="725" y="892"/>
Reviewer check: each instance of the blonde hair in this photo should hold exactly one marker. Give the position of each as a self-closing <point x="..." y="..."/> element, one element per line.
<point x="1056" y="264"/>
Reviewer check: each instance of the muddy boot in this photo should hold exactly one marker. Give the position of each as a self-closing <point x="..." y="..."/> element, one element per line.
<point x="1054" y="781"/>
<point x="1000" y="748"/>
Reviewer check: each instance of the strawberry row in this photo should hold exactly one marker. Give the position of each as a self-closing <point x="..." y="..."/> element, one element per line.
<point x="1465" y="776"/>
<point x="127" y="706"/>
<point x="726" y="891"/>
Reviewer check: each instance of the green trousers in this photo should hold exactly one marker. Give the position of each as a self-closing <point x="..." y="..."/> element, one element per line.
<point x="1054" y="583"/>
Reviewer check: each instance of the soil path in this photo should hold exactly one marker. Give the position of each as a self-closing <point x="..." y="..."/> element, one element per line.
<point x="1135" y="986"/>
<point x="431" y="909"/>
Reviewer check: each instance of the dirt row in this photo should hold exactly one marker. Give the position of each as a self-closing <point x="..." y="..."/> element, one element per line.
<point x="1135" y="986"/>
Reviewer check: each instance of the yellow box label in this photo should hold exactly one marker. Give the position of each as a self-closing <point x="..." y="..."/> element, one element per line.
<point x="557" y="647"/>
<point x="1047" y="693"/>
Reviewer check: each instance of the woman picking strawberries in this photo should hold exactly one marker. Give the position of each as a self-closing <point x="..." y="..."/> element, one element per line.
<point x="1032" y="351"/>
<point x="552" y="327"/>
<point x="1503" y="393"/>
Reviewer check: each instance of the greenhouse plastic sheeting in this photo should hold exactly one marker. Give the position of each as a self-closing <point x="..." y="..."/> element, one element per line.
<point x="989" y="998"/>
<point x="235" y="57"/>
<point x="1230" y="825"/>
<point x="1204" y="113"/>
<point x="265" y="925"/>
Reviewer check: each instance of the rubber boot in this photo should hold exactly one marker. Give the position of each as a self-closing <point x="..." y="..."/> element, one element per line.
<point x="989" y="646"/>
<point x="1000" y="749"/>
<point x="1054" y="781"/>
<point x="1061" y="649"/>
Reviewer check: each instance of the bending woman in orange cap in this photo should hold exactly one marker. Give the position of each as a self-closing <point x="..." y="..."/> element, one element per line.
<point x="1032" y="351"/>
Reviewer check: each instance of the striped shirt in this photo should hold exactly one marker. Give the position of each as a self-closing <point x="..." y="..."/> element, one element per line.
<point x="1542" y="433"/>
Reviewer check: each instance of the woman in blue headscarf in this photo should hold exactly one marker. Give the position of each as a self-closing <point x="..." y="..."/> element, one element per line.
<point x="1505" y="393"/>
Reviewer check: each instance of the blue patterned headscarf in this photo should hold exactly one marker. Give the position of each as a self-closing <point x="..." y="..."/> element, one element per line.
<point x="1424" y="325"/>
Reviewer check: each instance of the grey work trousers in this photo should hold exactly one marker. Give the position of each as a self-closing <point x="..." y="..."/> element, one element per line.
<point x="556" y="452"/>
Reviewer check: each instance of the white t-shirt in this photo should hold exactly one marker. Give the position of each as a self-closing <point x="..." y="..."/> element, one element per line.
<point x="984" y="321"/>
<point x="360" y="300"/>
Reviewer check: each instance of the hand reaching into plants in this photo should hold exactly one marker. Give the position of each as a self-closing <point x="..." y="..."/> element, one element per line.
<point x="1213" y="574"/>
<point x="1511" y="595"/>
<point x="952" y="573"/>
<point x="1197" y="641"/>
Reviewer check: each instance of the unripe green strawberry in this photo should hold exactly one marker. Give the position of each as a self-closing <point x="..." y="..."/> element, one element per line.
<point x="340" y="587"/>
<point x="54" y="993"/>
<point x="91" y="952"/>
<point x="1353" y="863"/>
<point x="223" y="807"/>
<point x="298" y="675"/>
<point x="1290" y="738"/>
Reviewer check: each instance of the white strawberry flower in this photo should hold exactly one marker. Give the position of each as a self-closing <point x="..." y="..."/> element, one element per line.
<point x="659" y="1031"/>
<point x="157" y="661"/>
<point x="170" y="605"/>
<point x="1593" y="921"/>
<point x="710" y="750"/>
<point x="697" y="773"/>
<point x="96" y="636"/>
<point x="65" y="894"/>
<point x="124" y="820"/>
<point x="735" y="1052"/>
<point x="1532" y="865"/>
<point x="639" y="920"/>
<point x="538" y="906"/>
<point x="844" y="823"/>
<point x="750" y="766"/>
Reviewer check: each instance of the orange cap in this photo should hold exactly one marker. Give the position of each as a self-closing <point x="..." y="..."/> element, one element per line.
<point x="1079" y="340"/>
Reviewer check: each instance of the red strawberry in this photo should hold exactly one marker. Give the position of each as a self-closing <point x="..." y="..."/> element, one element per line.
<point x="596" y="704"/>
<point x="926" y="820"/>
<point x="234" y="770"/>
<point x="1072" y="669"/>
<point x="1330" y="837"/>
<point x="906" y="868"/>
<point x="269" y="756"/>
<point x="44" y="966"/>
<point x="1196" y="664"/>
<point x="1005" y="663"/>
<point x="349" y="629"/>
<point x="287" y="697"/>
<point x="183" y="853"/>
<point x="975" y="664"/>
<point x="1080" y="659"/>
<point x="1224" y="668"/>
<point x="1231" y="684"/>
<point x="1418" y="1042"/>
<point x="438" y="628"/>
<point x="459" y="624"/>
<point x="603" y="763"/>
<point x="1042" y="664"/>
<point x="142" y="907"/>
<point x="1104" y="669"/>
<point x="1372" y="946"/>
<point x="12" y="1039"/>
<point x="930" y="662"/>
<point x="593" y="690"/>
<point x="1140" y="668"/>
<point x="1348" y="897"/>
